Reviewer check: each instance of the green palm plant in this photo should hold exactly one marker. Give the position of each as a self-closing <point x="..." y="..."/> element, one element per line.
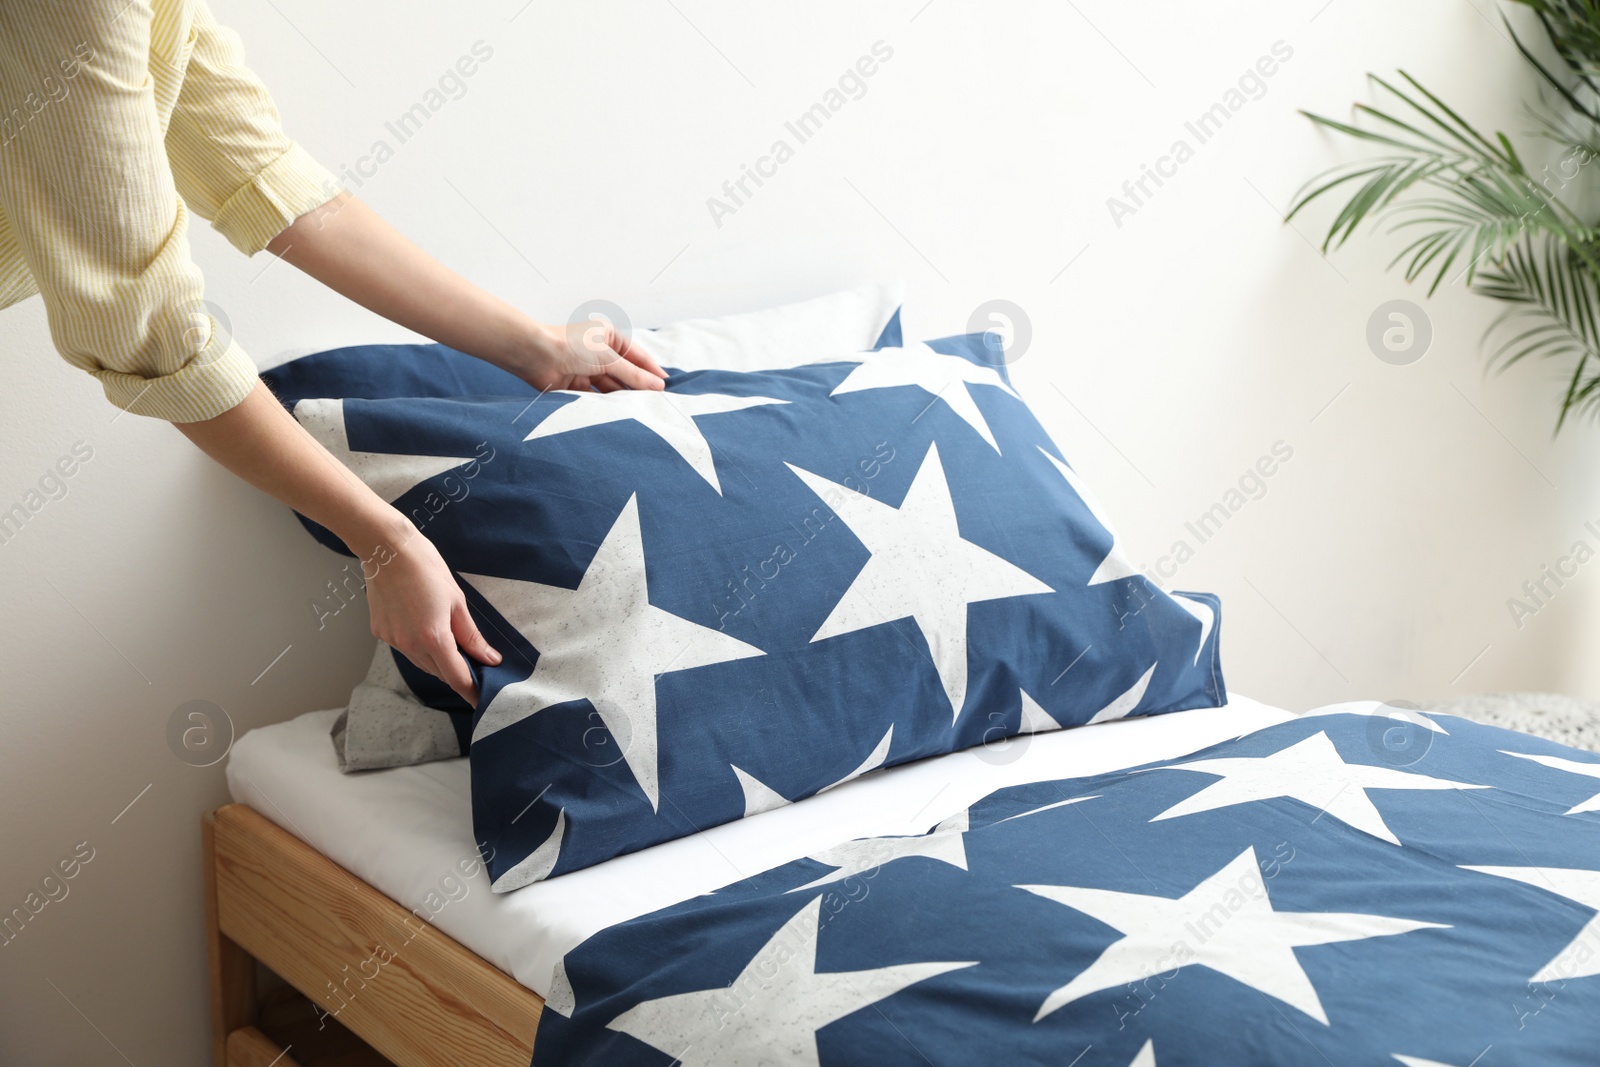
<point x="1473" y="210"/>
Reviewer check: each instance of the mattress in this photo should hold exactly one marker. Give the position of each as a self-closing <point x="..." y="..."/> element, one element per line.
<point x="408" y="831"/>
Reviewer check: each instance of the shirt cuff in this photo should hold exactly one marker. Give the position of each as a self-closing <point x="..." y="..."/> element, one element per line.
<point x="264" y="206"/>
<point x="205" y="387"/>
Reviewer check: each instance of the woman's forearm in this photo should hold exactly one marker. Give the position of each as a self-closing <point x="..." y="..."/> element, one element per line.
<point x="263" y="444"/>
<point x="414" y="601"/>
<point x="348" y="247"/>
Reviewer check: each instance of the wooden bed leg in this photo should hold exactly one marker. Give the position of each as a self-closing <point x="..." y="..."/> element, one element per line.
<point x="233" y="971"/>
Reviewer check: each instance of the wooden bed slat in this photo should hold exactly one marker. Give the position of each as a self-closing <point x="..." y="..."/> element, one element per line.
<point x="413" y="994"/>
<point x="249" y="1047"/>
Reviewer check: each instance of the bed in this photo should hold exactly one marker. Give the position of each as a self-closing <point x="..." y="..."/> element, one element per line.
<point x="1351" y="885"/>
<point x="835" y="726"/>
<point x="356" y="888"/>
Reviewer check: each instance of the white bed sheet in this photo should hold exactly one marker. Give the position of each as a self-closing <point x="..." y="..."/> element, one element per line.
<point x="408" y="831"/>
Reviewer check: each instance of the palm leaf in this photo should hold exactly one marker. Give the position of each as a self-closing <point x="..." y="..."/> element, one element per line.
<point x="1554" y="299"/>
<point x="1467" y="203"/>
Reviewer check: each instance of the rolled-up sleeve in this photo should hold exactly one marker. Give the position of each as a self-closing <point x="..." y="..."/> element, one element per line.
<point x="90" y="193"/>
<point x="230" y="157"/>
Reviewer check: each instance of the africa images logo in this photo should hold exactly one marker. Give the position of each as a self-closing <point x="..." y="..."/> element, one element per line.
<point x="1251" y="85"/>
<point x="851" y="85"/>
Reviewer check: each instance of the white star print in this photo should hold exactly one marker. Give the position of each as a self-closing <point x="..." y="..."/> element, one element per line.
<point x="1125" y="702"/>
<point x="1048" y="807"/>
<point x="760" y="797"/>
<point x="603" y="642"/>
<point x="1581" y="958"/>
<point x="1378" y="709"/>
<point x="1035" y="720"/>
<point x="1226" y="923"/>
<point x="536" y="865"/>
<point x="1146" y="1056"/>
<point x="1571" y="766"/>
<point x="1310" y="771"/>
<point x="389" y="474"/>
<point x="1207" y="616"/>
<point x="943" y="843"/>
<point x="1418" y="1061"/>
<point x="874" y="760"/>
<point x="1115" y="565"/>
<point x="946" y="378"/>
<point x="670" y="416"/>
<point x="561" y="999"/>
<point x="920" y="568"/>
<point x="770" y="1014"/>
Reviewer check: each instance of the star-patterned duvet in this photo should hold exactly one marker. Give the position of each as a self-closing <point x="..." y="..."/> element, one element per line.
<point x="1341" y="889"/>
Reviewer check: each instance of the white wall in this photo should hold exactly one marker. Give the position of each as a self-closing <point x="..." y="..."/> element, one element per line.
<point x="1173" y="352"/>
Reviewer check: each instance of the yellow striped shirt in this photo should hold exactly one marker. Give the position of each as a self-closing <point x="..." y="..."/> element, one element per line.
<point x="117" y="119"/>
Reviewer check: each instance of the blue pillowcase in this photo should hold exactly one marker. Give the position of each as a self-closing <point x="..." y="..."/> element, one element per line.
<point x="394" y="371"/>
<point x="753" y="586"/>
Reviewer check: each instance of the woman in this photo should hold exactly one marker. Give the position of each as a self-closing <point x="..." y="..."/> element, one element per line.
<point x="118" y="118"/>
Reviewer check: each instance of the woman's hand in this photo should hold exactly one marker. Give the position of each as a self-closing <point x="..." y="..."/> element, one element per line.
<point x="586" y="355"/>
<point x="417" y="608"/>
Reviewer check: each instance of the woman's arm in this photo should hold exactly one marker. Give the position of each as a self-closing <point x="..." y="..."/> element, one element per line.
<point x="350" y="248"/>
<point x="415" y="603"/>
<point x="95" y="207"/>
<point x="87" y="194"/>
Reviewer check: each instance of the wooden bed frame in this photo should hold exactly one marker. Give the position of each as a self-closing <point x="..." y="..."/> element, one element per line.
<point x="411" y="993"/>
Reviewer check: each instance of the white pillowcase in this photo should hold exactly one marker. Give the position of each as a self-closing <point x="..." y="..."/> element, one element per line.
<point x="784" y="336"/>
<point x="810" y="331"/>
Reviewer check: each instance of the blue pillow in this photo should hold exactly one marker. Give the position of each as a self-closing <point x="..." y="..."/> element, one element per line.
<point x="755" y="586"/>
<point x="379" y="372"/>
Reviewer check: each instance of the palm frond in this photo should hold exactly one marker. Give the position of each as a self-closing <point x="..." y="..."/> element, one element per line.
<point x="1573" y="27"/>
<point x="1471" y="209"/>
<point x="1555" y="298"/>
<point x="1584" y="84"/>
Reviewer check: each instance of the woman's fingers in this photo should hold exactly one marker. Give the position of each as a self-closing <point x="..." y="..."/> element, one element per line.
<point x="427" y="655"/>
<point x="451" y="668"/>
<point x="630" y="350"/>
<point x="469" y="637"/>
<point x="439" y="657"/>
<point x="415" y="653"/>
<point x="596" y="356"/>
<point x="418" y="608"/>
<point x="628" y="374"/>
<point x="617" y="358"/>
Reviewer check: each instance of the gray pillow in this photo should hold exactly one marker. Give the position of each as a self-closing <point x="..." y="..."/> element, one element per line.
<point x="385" y="725"/>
